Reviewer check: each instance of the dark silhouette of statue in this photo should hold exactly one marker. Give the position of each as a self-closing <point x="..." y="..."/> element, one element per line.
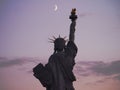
<point x="57" y="73"/>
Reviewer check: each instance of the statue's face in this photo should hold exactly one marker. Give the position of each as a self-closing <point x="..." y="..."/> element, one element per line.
<point x="59" y="44"/>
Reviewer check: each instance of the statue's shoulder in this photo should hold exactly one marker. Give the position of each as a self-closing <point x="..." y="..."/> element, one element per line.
<point x="71" y="45"/>
<point x="71" y="49"/>
<point x="53" y="57"/>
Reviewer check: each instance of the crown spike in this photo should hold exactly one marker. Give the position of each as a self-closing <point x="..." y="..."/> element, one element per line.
<point x="54" y="37"/>
<point x="65" y="37"/>
<point x="50" y="42"/>
<point x="51" y="39"/>
<point x="59" y="36"/>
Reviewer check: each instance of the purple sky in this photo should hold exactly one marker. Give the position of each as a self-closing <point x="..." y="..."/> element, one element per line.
<point x="26" y="25"/>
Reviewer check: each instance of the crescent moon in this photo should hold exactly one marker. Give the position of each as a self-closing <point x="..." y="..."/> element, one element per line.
<point x="55" y="7"/>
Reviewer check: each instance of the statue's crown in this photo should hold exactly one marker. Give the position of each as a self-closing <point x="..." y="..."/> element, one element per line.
<point x="54" y="40"/>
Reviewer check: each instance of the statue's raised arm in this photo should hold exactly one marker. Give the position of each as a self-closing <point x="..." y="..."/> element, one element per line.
<point x="73" y="18"/>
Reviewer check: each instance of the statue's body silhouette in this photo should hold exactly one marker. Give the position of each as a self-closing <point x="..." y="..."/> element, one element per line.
<point x="58" y="71"/>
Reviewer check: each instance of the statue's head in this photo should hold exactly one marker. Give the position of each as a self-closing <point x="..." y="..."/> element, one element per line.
<point x="59" y="43"/>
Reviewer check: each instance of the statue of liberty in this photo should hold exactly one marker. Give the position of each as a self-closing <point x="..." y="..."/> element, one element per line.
<point x="58" y="74"/>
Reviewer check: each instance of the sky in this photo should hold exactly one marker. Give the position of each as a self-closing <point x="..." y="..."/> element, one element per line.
<point x="26" y="25"/>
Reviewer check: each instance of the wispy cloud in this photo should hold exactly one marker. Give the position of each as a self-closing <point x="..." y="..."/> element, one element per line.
<point x="4" y="62"/>
<point x="109" y="70"/>
<point x="9" y="63"/>
<point x="85" y="14"/>
<point x="106" y="68"/>
<point x="117" y="77"/>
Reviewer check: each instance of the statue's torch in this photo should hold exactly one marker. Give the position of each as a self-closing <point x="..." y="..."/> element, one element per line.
<point x="73" y="15"/>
